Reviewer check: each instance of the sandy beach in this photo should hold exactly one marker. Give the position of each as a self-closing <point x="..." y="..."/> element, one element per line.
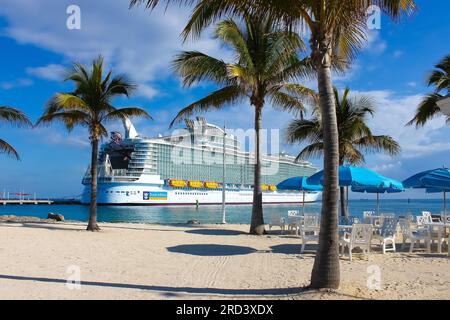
<point x="143" y="261"/>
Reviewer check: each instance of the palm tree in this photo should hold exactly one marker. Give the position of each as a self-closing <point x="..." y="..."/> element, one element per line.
<point x="89" y="106"/>
<point x="428" y="108"/>
<point x="355" y="137"/>
<point x="265" y="61"/>
<point x="14" y="117"/>
<point x="337" y="31"/>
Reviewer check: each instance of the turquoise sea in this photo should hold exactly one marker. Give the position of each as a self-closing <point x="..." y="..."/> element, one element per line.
<point x="209" y="214"/>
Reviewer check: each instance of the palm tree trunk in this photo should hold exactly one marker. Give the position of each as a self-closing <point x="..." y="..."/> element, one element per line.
<point x="92" y="225"/>
<point x="325" y="273"/>
<point x="257" y="222"/>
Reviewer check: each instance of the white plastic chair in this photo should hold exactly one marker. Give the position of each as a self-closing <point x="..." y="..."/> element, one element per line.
<point x="309" y="230"/>
<point x="276" y="220"/>
<point x="426" y="213"/>
<point x="414" y="235"/>
<point x="367" y="215"/>
<point x="387" y="234"/>
<point x="294" y="220"/>
<point x="361" y="236"/>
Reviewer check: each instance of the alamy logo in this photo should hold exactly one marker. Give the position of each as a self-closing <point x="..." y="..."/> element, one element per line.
<point x="374" y="279"/>
<point x="73" y="22"/>
<point x="74" y="278"/>
<point x="373" y="18"/>
<point x="184" y="152"/>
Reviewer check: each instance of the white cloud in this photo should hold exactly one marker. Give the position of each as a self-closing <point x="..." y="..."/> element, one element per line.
<point x="412" y="84"/>
<point x="138" y="42"/>
<point x="146" y="91"/>
<point x="394" y="112"/>
<point x="375" y="44"/>
<point x="8" y="85"/>
<point x="49" y="72"/>
<point x="58" y="135"/>
<point x="383" y="168"/>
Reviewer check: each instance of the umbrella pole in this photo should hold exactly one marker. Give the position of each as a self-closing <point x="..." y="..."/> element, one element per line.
<point x="303" y="206"/>
<point x="445" y="206"/>
<point x="378" y="204"/>
<point x="346" y="206"/>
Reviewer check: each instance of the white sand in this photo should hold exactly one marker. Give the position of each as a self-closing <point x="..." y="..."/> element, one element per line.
<point x="138" y="261"/>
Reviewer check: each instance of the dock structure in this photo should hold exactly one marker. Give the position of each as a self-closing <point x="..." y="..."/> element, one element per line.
<point x="24" y="201"/>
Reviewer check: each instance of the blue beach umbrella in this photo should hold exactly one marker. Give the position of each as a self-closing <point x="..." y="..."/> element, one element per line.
<point x="433" y="181"/>
<point x="352" y="176"/>
<point x="298" y="184"/>
<point x="390" y="186"/>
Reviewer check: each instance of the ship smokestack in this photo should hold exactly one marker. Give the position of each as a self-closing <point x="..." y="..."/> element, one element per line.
<point x="130" y="130"/>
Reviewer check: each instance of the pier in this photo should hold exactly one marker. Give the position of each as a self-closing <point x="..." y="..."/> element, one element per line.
<point x="24" y="201"/>
<point x="19" y="198"/>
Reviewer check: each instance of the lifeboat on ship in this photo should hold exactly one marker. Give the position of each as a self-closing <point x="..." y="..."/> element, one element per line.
<point x="195" y="184"/>
<point x="211" y="185"/>
<point x="177" y="183"/>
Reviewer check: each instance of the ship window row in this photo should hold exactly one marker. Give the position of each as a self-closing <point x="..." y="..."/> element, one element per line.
<point x="192" y="193"/>
<point x="128" y="192"/>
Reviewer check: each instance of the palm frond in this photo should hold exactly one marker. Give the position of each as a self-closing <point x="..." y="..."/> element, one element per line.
<point x="68" y="101"/>
<point x="14" y="116"/>
<point x="427" y="110"/>
<point x="287" y="102"/>
<point x="440" y="77"/>
<point x="300" y="130"/>
<point x="350" y="154"/>
<point x="5" y="147"/>
<point x="194" y="66"/>
<point x="379" y="144"/>
<point x="129" y="112"/>
<point x="69" y="118"/>
<point x="314" y="150"/>
<point x="229" y="32"/>
<point x="216" y="100"/>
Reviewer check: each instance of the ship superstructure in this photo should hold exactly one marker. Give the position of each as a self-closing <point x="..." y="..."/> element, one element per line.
<point x="187" y="168"/>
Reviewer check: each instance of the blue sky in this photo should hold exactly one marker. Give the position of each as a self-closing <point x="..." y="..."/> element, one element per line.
<point x="36" y="46"/>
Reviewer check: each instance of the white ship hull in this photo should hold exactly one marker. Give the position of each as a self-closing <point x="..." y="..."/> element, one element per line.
<point x="151" y="195"/>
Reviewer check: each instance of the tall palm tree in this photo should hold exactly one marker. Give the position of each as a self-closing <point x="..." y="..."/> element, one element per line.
<point x="337" y="31"/>
<point x="90" y="106"/>
<point x="265" y="61"/>
<point x="355" y="137"/>
<point x="13" y="117"/>
<point x="428" y="108"/>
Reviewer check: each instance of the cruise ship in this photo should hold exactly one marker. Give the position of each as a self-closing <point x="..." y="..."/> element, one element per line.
<point x="188" y="168"/>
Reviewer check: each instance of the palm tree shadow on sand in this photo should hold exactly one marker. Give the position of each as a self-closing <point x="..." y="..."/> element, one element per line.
<point x="216" y="232"/>
<point x="177" y="291"/>
<point x="211" y="250"/>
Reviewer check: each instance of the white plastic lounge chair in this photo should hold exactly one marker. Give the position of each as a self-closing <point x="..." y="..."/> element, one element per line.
<point x="309" y="230"/>
<point x="414" y="235"/>
<point x="361" y="236"/>
<point x="386" y="235"/>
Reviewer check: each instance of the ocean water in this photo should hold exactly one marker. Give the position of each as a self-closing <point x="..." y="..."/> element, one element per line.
<point x="210" y="214"/>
